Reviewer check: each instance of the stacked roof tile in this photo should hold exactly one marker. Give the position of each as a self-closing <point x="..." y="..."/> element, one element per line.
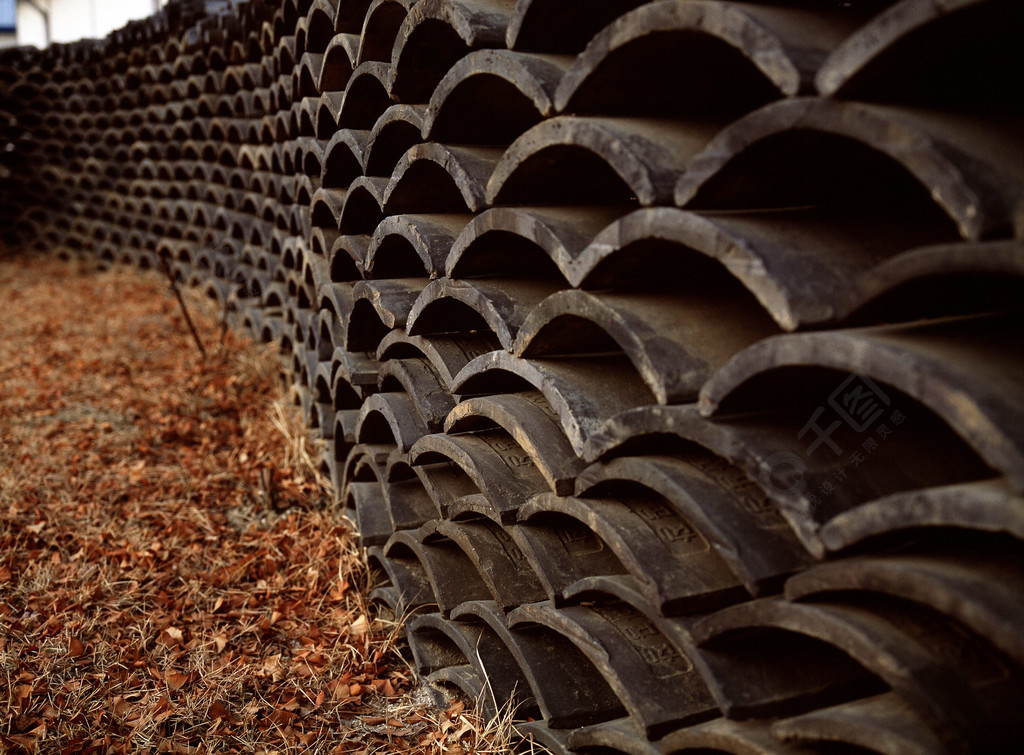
<point x="669" y="353"/>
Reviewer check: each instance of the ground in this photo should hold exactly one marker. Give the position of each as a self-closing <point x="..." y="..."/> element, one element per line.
<point x="173" y="574"/>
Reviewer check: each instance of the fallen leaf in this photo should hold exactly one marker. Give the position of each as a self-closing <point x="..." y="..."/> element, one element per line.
<point x="360" y="626"/>
<point x="281" y="717"/>
<point x="171" y="636"/>
<point x="217" y="710"/>
<point x="162" y="710"/>
<point x="176" y="680"/>
<point x="455" y="708"/>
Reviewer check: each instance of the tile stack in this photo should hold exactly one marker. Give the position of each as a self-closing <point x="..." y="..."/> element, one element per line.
<point x="669" y="353"/>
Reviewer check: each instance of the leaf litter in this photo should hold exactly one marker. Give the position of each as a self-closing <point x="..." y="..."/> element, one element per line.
<point x="173" y="574"/>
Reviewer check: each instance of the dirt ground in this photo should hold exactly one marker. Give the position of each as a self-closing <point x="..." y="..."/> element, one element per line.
<point x="173" y="576"/>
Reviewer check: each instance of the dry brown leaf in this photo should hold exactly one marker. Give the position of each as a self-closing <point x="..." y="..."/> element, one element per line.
<point x="217" y="711"/>
<point x="171" y="636"/>
<point x="162" y="710"/>
<point x="281" y="717"/>
<point x="176" y="680"/>
<point x="360" y="626"/>
<point x="455" y="708"/>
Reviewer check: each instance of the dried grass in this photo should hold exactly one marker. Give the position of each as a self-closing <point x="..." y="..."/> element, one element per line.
<point x="153" y="597"/>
